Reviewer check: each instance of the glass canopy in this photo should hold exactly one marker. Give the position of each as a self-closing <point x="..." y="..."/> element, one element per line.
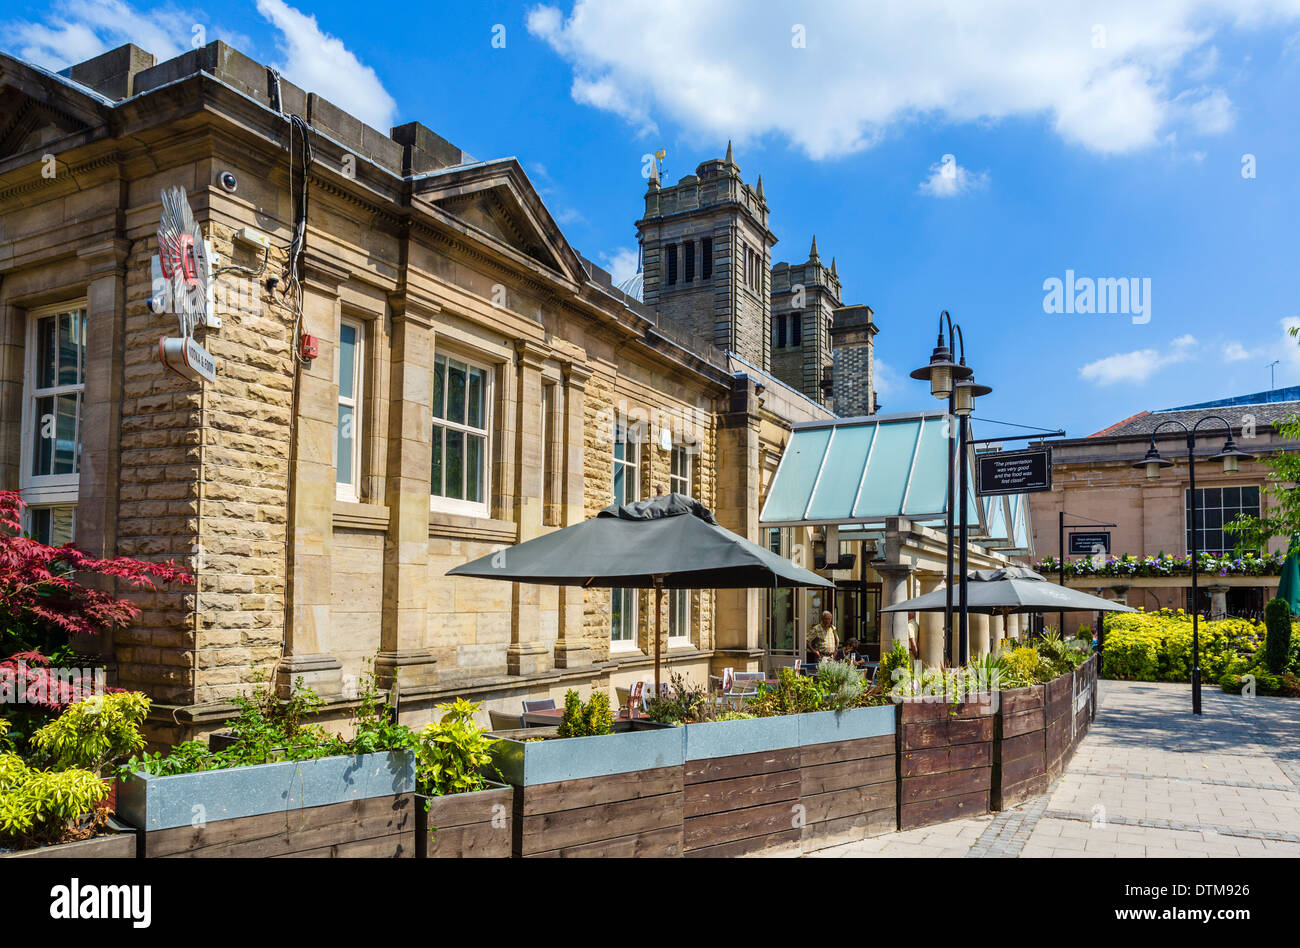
<point x="857" y="472"/>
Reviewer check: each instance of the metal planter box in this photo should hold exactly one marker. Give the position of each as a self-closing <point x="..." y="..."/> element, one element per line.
<point x="792" y="782"/>
<point x="612" y="795"/>
<point x="524" y="763"/>
<point x="347" y="805"/>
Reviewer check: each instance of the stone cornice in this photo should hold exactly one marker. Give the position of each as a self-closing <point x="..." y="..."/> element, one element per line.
<point x="323" y="272"/>
<point x="576" y="374"/>
<point x="108" y="256"/>
<point x="413" y="307"/>
<point x="531" y="354"/>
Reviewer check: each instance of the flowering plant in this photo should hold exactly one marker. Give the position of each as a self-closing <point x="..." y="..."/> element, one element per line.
<point x="1163" y="564"/>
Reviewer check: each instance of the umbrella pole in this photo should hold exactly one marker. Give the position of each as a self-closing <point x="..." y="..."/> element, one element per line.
<point x="659" y="618"/>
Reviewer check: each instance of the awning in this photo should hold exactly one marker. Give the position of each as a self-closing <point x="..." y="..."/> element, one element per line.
<point x="857" y="472"/>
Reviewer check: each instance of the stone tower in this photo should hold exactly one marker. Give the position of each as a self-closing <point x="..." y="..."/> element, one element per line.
<point x="804" y="299"/>
<point x="706" y="253"/>
<point x="853" y="340"/>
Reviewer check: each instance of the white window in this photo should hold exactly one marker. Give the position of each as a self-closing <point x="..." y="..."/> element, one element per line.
<point x="347" y="446"/>
<point x="54" y="383"/>
<point x="461" y="425"/>
<point x="679" y="600"/>
<point x="627" y="483"/>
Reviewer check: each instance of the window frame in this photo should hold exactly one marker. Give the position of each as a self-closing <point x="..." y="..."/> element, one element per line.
<point x="49" y="490"/>
<point x="688" y="261"/>
<point x="1203" y="529"/>
<point x="632" y="469"/>
<point x="439" y="503"/>
<point x="796" y="330"/>
<point x="706" y="258"/>
<point x="680" y="599"/>
<point x="351" y="491"/>
<point x="670" y="264"/>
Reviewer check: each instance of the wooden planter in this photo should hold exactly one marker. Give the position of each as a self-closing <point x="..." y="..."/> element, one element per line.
<point x="1059" y="725"/>
<point x="1020" y="746"/>
<point x="332" y="806"/>
<point x="118" y="842"/>
<point x="477" y="825"/>
<point x="796" y="783"/>
<point x="945" y="761"/>
<point x="616" y="794"/>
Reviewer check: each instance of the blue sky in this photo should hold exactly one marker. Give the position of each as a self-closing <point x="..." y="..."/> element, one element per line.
<point x="1086" y="137"/>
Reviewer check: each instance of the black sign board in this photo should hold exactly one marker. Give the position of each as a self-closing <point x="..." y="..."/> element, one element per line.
<point x="1013" y="472"/>
<point x="1086" y="544"/>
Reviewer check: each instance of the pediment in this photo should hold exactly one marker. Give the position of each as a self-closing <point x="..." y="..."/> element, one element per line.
<point x="27" y="124"/>
<point x="497" y="201"/>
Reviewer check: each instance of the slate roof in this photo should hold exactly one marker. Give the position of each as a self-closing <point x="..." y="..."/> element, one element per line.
<point x="1146" y="422"/>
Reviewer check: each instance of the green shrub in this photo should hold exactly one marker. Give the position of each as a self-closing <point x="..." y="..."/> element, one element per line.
<point x="792" y="694"/>
<point x="841" y="685"/>
<point x="37" y="806"/>
<point x="91" y="734"/>
<point x="895" y="665"/>
<point x="1157" y="646"/>
<point x="586" y="720"/>
<point x="451" y="753"/>
<point x="1277" y="640"/>
<point x="1266" y="683"/>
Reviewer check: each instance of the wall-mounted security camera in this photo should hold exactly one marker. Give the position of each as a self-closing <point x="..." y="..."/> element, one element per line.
<point x="227" y="181"/>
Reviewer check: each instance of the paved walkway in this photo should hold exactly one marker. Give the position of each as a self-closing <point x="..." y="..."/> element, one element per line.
<point x="1149" y="779"/>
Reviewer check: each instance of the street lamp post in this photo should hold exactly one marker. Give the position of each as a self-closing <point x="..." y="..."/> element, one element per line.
<point x="965" y="393"/>
<point x="1231" y="456"/>
<point x="943" y="375"/>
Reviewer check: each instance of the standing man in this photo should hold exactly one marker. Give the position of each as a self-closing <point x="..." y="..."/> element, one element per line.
<point x="823" y="639"/>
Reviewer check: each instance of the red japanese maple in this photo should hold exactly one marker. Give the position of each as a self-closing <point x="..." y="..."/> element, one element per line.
<point x="39" y="585"/>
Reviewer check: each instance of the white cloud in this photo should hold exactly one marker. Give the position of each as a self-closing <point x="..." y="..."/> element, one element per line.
<point x="76" y="30"/>
<point x="320" y="63"/>
<point x="1140" y="365"/>
<point x="885" y="378"/>
<point x="731" y="68"/>
<point x="1235" y="352"/>
<point x="622" y="263"/>
<point x="73" y="31"/>
<point x="949" y="179"/>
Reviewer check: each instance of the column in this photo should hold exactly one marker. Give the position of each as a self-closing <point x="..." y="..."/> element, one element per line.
<point x="932" y="633"/>
<point x="1218" y="602"/>
<point x="101" y="413"/>
<point x="404" y="658"/>
<point x="999" y="631"/>
<point x="893" y="589"/>
<point x="312" y="488"/>
<point x="979" y="634"/>
<point x="571" y="647"/>
<point x="525" y="657"/>
<point x="738" y="611"/>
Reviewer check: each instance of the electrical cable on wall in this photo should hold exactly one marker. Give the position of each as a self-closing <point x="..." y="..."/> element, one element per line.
<point x="293" y="291"/>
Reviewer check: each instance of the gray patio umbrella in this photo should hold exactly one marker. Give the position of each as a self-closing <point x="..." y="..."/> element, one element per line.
<point x="668" y="542"/>
<point x="1013" y="589"/>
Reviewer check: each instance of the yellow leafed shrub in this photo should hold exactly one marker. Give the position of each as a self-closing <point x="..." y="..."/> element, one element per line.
<point x="1157" y="646"/>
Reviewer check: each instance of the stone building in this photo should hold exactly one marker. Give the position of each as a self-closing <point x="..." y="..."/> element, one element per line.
<point x="430" y="373"/>
<point x="706" y="249"/>
<point x="1094" y="481"/>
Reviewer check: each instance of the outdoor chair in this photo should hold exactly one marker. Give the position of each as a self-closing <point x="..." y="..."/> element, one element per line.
<point x="504" y="722"/>
<point x="541" y="704"/>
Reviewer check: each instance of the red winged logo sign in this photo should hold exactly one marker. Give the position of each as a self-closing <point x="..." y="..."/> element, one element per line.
<point x="185" y="273"/>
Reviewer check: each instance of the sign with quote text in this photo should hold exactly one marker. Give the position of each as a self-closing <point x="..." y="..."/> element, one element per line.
<point x="1013" y="472"/>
